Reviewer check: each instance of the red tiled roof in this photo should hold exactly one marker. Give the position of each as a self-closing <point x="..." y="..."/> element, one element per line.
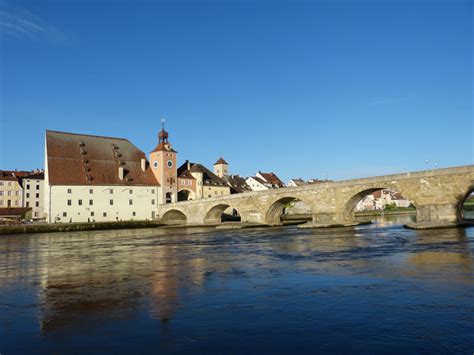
<point x="221" y="161"/>
<point x="377" y="194"/>
<point x="272" y="178"/>
<point x="237" y="183"/>
<point x="208" y="177"/>
<point x="8" y="178"/>
<point x="80" y="159"/>
<point x="164" y="147"/>
<point x="15" y="173"/>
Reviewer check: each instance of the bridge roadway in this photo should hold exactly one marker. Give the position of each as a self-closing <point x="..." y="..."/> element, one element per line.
<point x="437" y="194"/>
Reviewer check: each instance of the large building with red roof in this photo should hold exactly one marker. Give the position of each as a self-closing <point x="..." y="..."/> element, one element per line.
<point x="96" y="178"/>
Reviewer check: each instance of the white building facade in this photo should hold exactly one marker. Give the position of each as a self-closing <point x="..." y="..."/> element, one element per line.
<point x="105" y="203"/>
<point x="33" y="194"/>
<point x="93" y="178"/>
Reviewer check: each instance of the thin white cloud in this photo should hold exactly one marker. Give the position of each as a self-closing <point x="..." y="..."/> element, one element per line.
<point x="20" y="23"/>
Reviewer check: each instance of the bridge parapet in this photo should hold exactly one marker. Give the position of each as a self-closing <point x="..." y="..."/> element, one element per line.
<point x="437" y="194"/>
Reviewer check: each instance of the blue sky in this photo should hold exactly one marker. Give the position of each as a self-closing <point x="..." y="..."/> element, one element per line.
<point x="301" y="88"/>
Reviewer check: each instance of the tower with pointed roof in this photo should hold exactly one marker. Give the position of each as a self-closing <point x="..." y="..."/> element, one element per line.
<point x="163" y="163"/>
<point x="221" y="168"/>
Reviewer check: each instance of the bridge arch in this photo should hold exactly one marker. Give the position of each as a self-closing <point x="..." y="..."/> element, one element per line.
<point x="185" y="195"/>
<point x="216" y="214"/>
<point x="348" y="211"/>
<point x="277" y="208"/>
<point x="465" y="206"/>
<point x="174" y="217"/>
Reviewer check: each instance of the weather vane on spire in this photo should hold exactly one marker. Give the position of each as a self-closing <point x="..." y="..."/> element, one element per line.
<point x="163" y="123"/>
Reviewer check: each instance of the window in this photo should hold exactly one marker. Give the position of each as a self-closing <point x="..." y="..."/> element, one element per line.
<point x="69" y="202"/>
<point x="1" y="183"/>
<point x="152" y="191"/>
<point x="27" y="203"/>
<point x="1" y="202"/>
<point x="91" y="202"/>
<point x="131" y="191"/>
<point x="209" y="196"/>
<point x="17" y="193"/>
<point x="79" y="202"/>
<point x="37" y="195"/>
<point x="130" y="202"/>
<point x="9" y="193"/>
<point x="91" y="191"/>
<point x="37" y="204"/>
<point x="153" y="201"/>
<point x="92" y="214"/>
<point x="111" y="202"/>
<point x="69" y="191"/>
<point x="111" y="191"/>
<point x="104" y="214"/>
<point x="37" y="187"/>
<point x="1" y="193"/>
<point x="134" y="214"/>
<point x="64" y="214"/>
<point x="27" y="195"/>
<point x="10" y="184"/>
<point x="17" y="203"/>
<point x="27" y="186"/>
<point x="37" y="214"/>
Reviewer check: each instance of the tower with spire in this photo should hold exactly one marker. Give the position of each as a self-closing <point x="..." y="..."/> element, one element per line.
<point x="163" y="163"/>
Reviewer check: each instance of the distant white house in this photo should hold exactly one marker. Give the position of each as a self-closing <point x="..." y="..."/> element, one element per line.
<point x="264" y="181"/>
<point x="379" y="199"/>
<point x="296" y="182"/>
<point x="256" y="184"/>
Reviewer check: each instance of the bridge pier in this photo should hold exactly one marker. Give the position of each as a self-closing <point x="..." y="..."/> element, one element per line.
<point x="329" y="219"/>
<point x="437" y="216"/>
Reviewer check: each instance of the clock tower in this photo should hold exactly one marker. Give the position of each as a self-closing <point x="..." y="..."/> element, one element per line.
<point x="163" y="165"/>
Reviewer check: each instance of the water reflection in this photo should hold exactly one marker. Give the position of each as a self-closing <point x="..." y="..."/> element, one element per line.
<point x="204" y="288"/>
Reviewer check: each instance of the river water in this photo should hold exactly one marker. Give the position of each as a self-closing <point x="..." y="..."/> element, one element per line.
<point x="374" y="288"/>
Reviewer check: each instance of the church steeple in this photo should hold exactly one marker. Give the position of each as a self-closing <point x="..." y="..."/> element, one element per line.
<point x="163" y="160"/>
<point x="163" y="135"/>
<point x="163" y="142"/>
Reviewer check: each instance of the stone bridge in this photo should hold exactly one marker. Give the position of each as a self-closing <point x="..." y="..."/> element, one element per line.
<point x="438" y="196"/>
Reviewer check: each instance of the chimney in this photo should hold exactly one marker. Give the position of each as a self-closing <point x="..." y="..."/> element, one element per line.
<point x="188" y="164"/>
<point x="143" y="164"/>
<point x="121" y="172"/>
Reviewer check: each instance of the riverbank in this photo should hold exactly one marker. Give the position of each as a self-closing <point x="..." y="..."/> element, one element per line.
<point x="76" y="227"/>
<point x="393" y="212"/>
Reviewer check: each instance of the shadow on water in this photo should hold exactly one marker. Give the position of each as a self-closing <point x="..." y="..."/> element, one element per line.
<point x="367" y="288"/>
